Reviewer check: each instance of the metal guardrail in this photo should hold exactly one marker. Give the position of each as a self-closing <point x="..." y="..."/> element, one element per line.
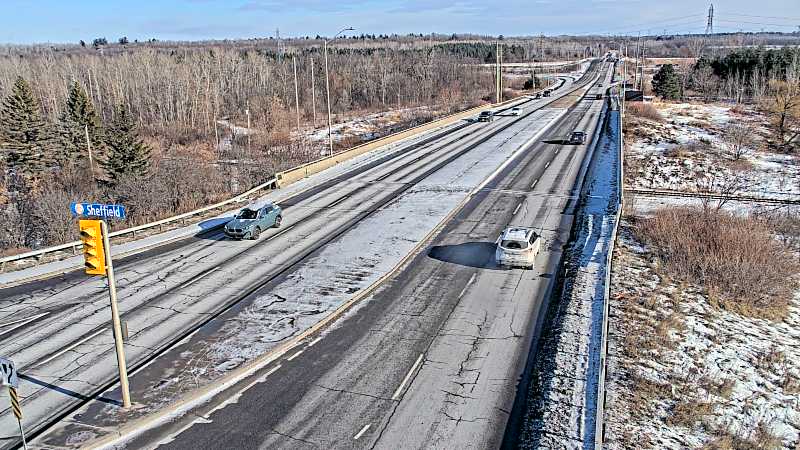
<point x="712" y="196"/>
<point x="601" y="384"/>
<point x="75" y="245"/>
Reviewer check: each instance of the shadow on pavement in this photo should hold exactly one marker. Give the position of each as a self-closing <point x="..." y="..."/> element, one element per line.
<point x="470" y="254"/>
<point x="66" y="391"/>
<point x="211" y="229"/>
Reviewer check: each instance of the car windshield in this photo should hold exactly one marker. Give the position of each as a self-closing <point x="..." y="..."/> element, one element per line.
<point x="247" y="214"/>
<point x="513" y="245"/>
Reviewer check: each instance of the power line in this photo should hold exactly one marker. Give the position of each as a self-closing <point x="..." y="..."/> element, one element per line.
<point x="739" y="22"/>
<point x="645" y="24"/>
<point x="763" y="17"/>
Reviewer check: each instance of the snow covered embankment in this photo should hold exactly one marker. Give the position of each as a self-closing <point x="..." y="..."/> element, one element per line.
<point x="564" y="390"/>
<point x="683" y="373"/>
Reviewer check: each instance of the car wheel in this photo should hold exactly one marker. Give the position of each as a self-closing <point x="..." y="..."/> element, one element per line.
<point x="256" y="233"/>
<point x="278" y="221"/>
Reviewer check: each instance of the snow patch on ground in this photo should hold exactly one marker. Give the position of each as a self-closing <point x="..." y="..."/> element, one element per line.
<point x="564" y="416"/>
<point x="685" y="374"/>
<point x="685" y="152"/>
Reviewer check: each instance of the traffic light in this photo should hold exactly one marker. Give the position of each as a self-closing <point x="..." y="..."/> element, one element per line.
<point x="92" y="238"/>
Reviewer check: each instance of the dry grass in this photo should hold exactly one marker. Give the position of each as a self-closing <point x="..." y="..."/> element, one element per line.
<point x="644" y="110"/>
<point x="689" y="412"/>
<point x="736" y="258"/>
<point x="760" y="438"/>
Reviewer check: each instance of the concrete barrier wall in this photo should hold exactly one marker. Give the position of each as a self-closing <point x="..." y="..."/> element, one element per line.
<point x="288" y="177"/>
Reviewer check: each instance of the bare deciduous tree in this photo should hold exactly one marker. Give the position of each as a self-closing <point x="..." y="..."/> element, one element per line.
<point x="738" y="140"/>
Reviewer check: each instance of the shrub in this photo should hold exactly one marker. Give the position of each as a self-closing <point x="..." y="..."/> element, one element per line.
<point x="644" y="110"/>
<point x="736" y="258"/>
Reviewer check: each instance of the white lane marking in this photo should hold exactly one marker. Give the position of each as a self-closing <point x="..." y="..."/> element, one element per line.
<point x="547" y="165"/>
<point x="201" y="276"/>
<point x="235" y="397"/>
<point x="557" y="149"/>
<point x="315" y="341"/>
<point x="260" y="379"/>
<point x="70" y="347"/>
<point x="516" y="209"/>
<point x="278" y="234"/>
<point x="408" y="377"/>
<point x="24" y="322"/>
<point x="363" y="430"/>
<point x="295" y="355"/>
<point x="534" y="183"/>
<point x="24" y="319"/>
<point x="469" y="283"/>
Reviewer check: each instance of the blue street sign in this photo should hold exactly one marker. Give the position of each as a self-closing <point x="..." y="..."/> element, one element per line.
<point x="98" y="210"/>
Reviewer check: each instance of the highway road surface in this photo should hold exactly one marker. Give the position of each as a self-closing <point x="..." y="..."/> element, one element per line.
<point x="436" y="350"/>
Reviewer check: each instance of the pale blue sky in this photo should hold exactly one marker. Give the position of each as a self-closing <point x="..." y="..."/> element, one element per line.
<point x="27" y="21"/>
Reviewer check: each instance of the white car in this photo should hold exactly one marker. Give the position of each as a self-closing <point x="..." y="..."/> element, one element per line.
<point x="516" y="111"/>
<point x="518" y="247"/>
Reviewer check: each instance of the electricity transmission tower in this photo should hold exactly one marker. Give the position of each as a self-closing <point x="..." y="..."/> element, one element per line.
<point x="710" y="25"/>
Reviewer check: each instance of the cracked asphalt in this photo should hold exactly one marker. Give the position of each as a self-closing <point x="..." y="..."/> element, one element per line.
<point x="435" y="358"/>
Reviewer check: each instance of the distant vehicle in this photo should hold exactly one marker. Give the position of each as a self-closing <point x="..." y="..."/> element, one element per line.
<point x="516" y="111"/>
<point x="518" y="247"/>
<point x="577" y="137"/>
<point x="249" y="223"/>
<point x="598" y="97"/>
<point x="546" y="93"/>
<point x="486" y="116"/>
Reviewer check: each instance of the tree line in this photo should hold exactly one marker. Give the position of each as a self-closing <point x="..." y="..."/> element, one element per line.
<point x="142" y="127"/>
<point x="769" y="78"/>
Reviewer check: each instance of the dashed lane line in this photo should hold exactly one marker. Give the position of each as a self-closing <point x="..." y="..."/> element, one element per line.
<point x="295" y="355"/>
<point x="363" y="430"/>
<point x="21" y="323"/>
<point x="408" y="377"/>
<point x="39" y="363"/>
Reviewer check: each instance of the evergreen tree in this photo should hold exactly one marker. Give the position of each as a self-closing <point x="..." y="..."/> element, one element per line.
<point x="127" y="153"/>
<point x="78" y="116"/>
<point x="667" y="83"/>
<point x="25" y="138"/>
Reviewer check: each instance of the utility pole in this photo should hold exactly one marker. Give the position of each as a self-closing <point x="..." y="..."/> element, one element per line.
<point x="313" y="95"/>
<point x="328" y="93"/>
<point x="328" y="89"/>
<point x="623" y="55"/>
<point x="498" y="74"/>
<point x="636" y="64"/>
<point x="247" y="113"/>
<point x="641" y="74"/>
<point x="116" y="322"/>
<point x="296" y="93"/>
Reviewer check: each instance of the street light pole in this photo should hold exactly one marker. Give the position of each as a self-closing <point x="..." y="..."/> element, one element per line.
<point x="328" y="88"/>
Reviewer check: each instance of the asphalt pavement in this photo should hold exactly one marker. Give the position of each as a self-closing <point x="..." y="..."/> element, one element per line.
<point x="434" y="358"/>
<point x="60" y="336"/>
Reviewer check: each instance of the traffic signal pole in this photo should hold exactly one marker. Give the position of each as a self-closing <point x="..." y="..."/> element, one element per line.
<point x="117" y="323"/>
